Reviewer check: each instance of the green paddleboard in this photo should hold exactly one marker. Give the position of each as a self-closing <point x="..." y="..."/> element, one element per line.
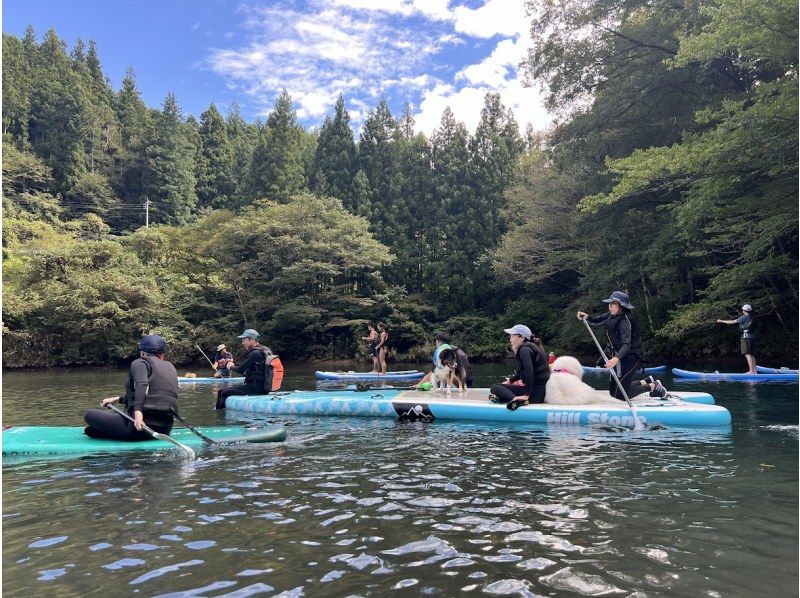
<point x="61" y="440"/>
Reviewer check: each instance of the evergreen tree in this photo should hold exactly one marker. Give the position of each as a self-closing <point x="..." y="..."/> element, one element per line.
<point x="278" y="169"/>
<point x="215" y="180"/>
<point x="335" y="157"/>
<point x="455" y="213"/>
<point x="376" y="158"/>
<point x="242" y="138"/>
<point x="169" y="175"/>
<point x="412" y="193"/>
<point x="136" y="131"/>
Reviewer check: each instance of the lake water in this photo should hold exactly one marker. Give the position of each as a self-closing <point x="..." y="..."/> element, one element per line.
<point x="378" y="507"/>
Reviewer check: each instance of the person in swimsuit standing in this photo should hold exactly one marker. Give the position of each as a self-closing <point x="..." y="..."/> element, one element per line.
<point x="372" y="339"/>
<point x="381" y="347"/>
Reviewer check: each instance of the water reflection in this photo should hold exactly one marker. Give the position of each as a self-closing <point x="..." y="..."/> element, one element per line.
<point x="364" y="506"/>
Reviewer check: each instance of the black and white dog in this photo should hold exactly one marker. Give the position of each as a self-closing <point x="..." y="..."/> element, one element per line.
<point x="449" y="372"/>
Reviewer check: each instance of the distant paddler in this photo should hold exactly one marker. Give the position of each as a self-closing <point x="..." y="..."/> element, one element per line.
<point x="221" y="361"/>
<point x="151" y="396"/>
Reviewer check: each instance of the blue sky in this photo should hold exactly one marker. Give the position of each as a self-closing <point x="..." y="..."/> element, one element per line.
<point x="430" y="53"/>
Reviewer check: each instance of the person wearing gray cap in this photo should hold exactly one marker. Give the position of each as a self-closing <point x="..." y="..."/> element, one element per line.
<point x="532" y="370"/>
<point x="748" y="327"/>
<point x="622" y="332"/>
<point x="254" y="367"/>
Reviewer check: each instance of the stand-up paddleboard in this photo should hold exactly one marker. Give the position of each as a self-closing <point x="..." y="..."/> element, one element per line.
<point x="474" y="405"/>
<point x="405" y="375"/>
<point x="763" y="370"/>
<point x="658" y="369"/>
<point x="58" y="440"/>
<point x="211" y="380"/>
<point x="734" y="377"/>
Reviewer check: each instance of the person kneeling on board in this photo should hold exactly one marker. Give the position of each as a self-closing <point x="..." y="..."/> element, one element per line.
<point x="532" y="369"/>
<point x="221" y="360"/>
<point x="263" y="371"/>
<point x="151" y="396"/>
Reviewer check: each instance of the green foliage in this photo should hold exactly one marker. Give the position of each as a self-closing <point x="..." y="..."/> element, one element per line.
<point x="278" y="168"/>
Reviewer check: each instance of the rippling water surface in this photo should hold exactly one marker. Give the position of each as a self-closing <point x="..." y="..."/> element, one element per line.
<point x="378" y="507"/>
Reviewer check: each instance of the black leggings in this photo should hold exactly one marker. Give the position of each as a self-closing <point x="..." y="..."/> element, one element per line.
<point x="507" y="392"/>
<point x="104" y="423"/>
<point x="625" y="370"/>
<point x="237" y="390"/>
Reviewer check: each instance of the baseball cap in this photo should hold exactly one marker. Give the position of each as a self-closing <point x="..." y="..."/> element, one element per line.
<point x="520" y="329"/>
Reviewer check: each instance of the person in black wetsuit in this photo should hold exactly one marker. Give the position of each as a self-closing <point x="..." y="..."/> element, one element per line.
<point x="151" y="397"/>
<point x="532" y="369"/>
<point x="257" y="374"/>
<point x="622" y="333"/>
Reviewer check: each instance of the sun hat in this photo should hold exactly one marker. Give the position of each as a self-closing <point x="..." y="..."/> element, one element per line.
<point x="621" y="298"/>
<point x="520" y="329"/>
<point x="221" y="347"/>
<point x="747" y="307"/>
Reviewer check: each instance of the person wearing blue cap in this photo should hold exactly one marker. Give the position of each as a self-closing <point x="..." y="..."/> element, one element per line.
<point x="532" y="370"/>
<point x="151" y="397"/>
<point x="254" y="367"/>
<point x="622" y="332"/>
<point x="747" y="325"/>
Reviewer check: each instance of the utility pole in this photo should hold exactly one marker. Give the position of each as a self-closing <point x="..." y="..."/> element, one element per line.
<point x="147" y="212"/>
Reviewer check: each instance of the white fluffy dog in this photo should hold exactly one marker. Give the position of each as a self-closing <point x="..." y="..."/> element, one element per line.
<point x="565" y="386"/>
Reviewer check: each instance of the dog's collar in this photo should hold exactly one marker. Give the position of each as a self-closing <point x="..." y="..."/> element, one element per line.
<point x="560" y="371"/>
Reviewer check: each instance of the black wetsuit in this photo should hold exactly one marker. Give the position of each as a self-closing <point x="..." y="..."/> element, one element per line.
<point x="152" y="388"/>
<point x="532" y="369"/>
<point x="256" y="380"/>
<point x="622" y="332"/>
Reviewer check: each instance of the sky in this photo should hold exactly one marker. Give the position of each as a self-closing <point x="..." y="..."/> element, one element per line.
<point x="428" y="53"/>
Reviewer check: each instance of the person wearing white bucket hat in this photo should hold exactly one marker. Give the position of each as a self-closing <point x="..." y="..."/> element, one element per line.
<point x="747" y="325"/>
<point x="221" y="360"/>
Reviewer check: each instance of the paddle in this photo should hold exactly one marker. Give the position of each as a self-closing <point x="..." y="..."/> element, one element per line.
<point x="637" y="425"/>
<point x="194" y="430"/>
<point x="158" y="435"/>
<point x="211" y="363"/>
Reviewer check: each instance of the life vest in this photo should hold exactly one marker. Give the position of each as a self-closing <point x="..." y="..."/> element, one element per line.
<point x="748" y="330"/>
<point x="612" y="325"/>
<point x="274" y="373"/>
<point x="162" y="386"/>
<point x="541" y="370"/>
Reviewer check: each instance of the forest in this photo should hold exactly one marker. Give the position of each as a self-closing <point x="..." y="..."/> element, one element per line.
<point x="670" y="172"/>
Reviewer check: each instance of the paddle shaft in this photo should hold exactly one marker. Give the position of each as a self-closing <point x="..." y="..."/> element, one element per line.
<point x="637" y="422"/>
<point x="197" y="432"/>
<point x="153" y="433"/>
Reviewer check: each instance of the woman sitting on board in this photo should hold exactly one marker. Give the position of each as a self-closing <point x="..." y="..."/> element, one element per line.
<point x="221" y="360"/>
<point x="532" y="369"/>
<point x="151" y="396"/>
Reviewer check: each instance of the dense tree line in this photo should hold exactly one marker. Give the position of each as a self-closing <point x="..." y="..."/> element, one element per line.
<point x="671" y="173"/>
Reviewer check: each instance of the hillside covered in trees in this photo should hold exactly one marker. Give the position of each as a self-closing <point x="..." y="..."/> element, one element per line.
<point x="671" y="172"/>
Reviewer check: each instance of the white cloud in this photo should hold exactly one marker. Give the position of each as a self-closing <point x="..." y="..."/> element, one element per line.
<point x="402" y="49"/>
<point x="495" y="17"/>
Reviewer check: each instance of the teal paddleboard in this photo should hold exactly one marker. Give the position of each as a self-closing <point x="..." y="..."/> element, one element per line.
<point x="57" y="440"/>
